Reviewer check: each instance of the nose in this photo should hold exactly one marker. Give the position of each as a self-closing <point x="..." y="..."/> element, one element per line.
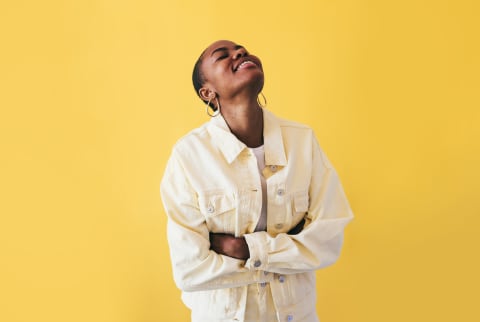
<point x="240" y="52"/>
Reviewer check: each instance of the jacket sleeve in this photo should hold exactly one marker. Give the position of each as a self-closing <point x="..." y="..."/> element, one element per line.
<point x="195" y="266"/>
<point x="318" y="245"/>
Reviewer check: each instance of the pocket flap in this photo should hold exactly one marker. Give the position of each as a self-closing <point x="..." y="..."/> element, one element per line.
<point x="300" y="201"/>
<point x="217" y="204"/>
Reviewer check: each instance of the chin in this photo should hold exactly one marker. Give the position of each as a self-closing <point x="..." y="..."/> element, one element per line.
<point x="257" y="81"/>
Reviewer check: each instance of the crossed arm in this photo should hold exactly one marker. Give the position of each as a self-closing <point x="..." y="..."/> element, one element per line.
<point x="195" y="252"/>
<point x="237" y="247"/>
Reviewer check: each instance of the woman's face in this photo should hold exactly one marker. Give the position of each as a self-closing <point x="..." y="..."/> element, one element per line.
<point x="229" y="69"/>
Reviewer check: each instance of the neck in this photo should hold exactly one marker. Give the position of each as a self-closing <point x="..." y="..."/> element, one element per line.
<point x="245" y="120"/>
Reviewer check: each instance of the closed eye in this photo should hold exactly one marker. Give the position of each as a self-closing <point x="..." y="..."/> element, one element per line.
<point x="221" y="57"/>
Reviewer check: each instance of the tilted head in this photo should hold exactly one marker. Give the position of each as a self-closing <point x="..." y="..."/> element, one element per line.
<point x="226" y="69"/>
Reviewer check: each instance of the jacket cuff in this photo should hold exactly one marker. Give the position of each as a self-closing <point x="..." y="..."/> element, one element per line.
<point x="257" y="246"/>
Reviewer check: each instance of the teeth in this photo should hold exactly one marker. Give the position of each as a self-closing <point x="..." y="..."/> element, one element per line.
<point x="245" y="62"/>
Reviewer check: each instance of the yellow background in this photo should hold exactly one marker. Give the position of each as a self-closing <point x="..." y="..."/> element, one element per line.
<point x="93" y="95"/>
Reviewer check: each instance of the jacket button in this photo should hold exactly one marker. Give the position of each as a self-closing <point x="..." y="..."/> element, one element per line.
<point x="257" y="263"/>
<point x="210" y="209"/>
<point x="281" y="278"/>
<point x="278" y="226"/>
<point x="273" y="168"/>
<point x="280" y="192"/>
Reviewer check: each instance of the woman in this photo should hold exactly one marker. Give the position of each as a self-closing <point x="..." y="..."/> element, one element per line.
<point x="254" y="206"/>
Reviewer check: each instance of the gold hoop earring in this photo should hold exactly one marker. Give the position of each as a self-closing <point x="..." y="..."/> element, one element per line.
<point x="264" y="100"/>
<point x="216" y="112"/>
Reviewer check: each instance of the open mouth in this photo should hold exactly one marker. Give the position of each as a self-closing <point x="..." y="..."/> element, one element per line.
<point x="245" y="64"/>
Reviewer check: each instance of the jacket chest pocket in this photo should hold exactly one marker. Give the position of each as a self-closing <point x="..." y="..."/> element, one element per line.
<point x="298" y="207"/>
<point x="219" y="210"/>
<point x="299" y="204"/>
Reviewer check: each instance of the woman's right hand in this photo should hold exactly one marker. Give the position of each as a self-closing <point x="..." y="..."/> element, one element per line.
<point x="298" y="228"/>
<point x="229" y="245"/>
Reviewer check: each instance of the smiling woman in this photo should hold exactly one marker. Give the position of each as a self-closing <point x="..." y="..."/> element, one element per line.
<point x="254" y="206"/>
<point x="216" y="56"/>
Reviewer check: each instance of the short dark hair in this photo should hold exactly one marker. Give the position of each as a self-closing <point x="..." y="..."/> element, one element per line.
<point x="198" y="79"/>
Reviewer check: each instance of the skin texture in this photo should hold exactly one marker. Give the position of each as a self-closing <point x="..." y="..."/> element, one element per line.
<point x="236" y="87"/>
<point x="236" y="247"/>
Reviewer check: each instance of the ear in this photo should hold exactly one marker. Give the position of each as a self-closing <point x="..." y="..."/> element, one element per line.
<point x="206" y="94"/>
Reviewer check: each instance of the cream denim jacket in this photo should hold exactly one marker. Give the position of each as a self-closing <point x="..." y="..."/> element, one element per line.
<point x="212" y="184"/>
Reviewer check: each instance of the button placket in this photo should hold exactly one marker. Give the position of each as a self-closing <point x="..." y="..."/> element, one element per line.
<point x="279" y="195"/>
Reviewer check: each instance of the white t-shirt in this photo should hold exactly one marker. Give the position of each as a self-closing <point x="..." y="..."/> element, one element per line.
<point x="260" y="154"/>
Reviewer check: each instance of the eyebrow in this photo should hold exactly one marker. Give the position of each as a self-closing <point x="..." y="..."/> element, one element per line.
<point x="225" y="49"/>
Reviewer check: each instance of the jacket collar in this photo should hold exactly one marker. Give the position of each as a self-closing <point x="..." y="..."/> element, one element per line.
<point x="231" y="147"/>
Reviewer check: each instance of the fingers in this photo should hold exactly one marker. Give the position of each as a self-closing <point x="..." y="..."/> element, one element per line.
<point x="298" y="228"/>
<point x="229" y="245"/>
